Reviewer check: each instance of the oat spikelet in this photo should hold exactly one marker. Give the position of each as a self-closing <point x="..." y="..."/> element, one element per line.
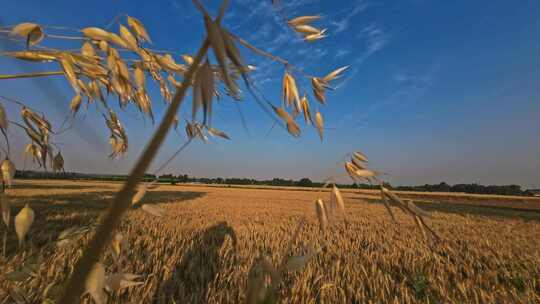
<point x="58" y="162"/>
<point x="292" y="126"/>
<point x="153" y="210"/>
<point x="88" y="50"/>
<point x="207" y="90"/>
<point x="119" y="281"/>
<point x="296" y="262"/>
<point x="128" y="37"/>
<point x="31" y="31"/>
<point x="318" y="89"/>
<point x="3" y="118"/>
<point x="187" y="59"/>
<point x="335" y="74"/>
<point x="319" y="123"/>
<point x="23" y="222"/>
<point x="305" y="109"/>
<point x="338" y="198"/>
<point x="138" y="28"/>
<point x="95" y="284"/>
<point x="216" y="132"/>
<point x="141" y="192"/>
<point x="5" y="207"/>
<point x="75" y="103"/>
<point x="218" y="45"/>
<point x="321" y="214"/>
<point x="307" y="29"/>
<point x="360" y="157"/>
<point x="8" y="171"/>
<point x="315" y="37"/>
<point x="290" y="91"/>
<point x="302" y="20"/>
<point x="95" y="33"/>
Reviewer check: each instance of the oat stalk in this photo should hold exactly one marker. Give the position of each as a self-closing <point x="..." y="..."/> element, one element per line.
<point x="122" y="200"/>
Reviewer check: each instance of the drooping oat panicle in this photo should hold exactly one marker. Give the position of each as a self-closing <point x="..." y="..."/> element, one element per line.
<point x="302" y="20"/>
<point x="23" y="222"/>
<point x="319" y="123"/>
<point x="95" y="284"/>
<point x="31" y="31"/>
<point x="321" y="214"/>
<point x="5" y="207"/>
<point x="138" y="28"/>
<point x="8" y="171"/>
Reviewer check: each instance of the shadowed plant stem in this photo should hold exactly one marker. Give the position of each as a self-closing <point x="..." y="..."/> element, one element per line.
<point x="122" y="200"/>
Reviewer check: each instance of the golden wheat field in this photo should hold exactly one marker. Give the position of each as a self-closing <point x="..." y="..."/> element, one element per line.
<point x="202" y="249"/>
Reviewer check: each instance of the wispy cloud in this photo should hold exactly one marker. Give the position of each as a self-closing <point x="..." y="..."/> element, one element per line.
<point x="342" y="53"/>
<point x="410" y="87"/>
<point x="343" y="22"/>
<point x="375" y="39"/>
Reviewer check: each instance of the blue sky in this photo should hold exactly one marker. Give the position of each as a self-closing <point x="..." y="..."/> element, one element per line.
<point x="437" y="90"/>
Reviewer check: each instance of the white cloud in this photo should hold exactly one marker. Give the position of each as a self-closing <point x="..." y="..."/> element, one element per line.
<point x="343" y="22"/>
<point x="342" y="53"/>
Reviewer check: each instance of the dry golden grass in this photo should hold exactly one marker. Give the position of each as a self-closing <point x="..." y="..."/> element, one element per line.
<point x="487" y="255"/>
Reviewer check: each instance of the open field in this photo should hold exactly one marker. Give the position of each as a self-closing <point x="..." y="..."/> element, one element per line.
<point x="486" y="255"/>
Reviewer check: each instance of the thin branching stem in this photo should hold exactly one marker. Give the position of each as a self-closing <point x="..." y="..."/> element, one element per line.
<point x="30" y="75"/>
<point x="122" y="200"/>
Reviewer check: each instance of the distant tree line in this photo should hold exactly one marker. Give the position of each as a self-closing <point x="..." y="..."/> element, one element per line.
<point x="280" y="182"/>
<point x="469" y="188"/>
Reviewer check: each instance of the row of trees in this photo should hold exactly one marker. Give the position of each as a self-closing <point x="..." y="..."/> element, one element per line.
<point x="470" y="188"/>
<point x="304" y="182"/>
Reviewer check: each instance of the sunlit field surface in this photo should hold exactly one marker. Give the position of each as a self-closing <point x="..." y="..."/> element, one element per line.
<point x="202" y="249"/>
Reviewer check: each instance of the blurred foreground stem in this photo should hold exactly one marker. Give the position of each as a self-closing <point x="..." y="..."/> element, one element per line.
<point x="122" y="200"/>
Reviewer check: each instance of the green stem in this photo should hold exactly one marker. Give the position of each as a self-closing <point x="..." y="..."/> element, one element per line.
<point x="30" y="75"/>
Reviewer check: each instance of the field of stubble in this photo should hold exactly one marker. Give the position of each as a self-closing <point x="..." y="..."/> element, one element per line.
<point x="201" y="251"/>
